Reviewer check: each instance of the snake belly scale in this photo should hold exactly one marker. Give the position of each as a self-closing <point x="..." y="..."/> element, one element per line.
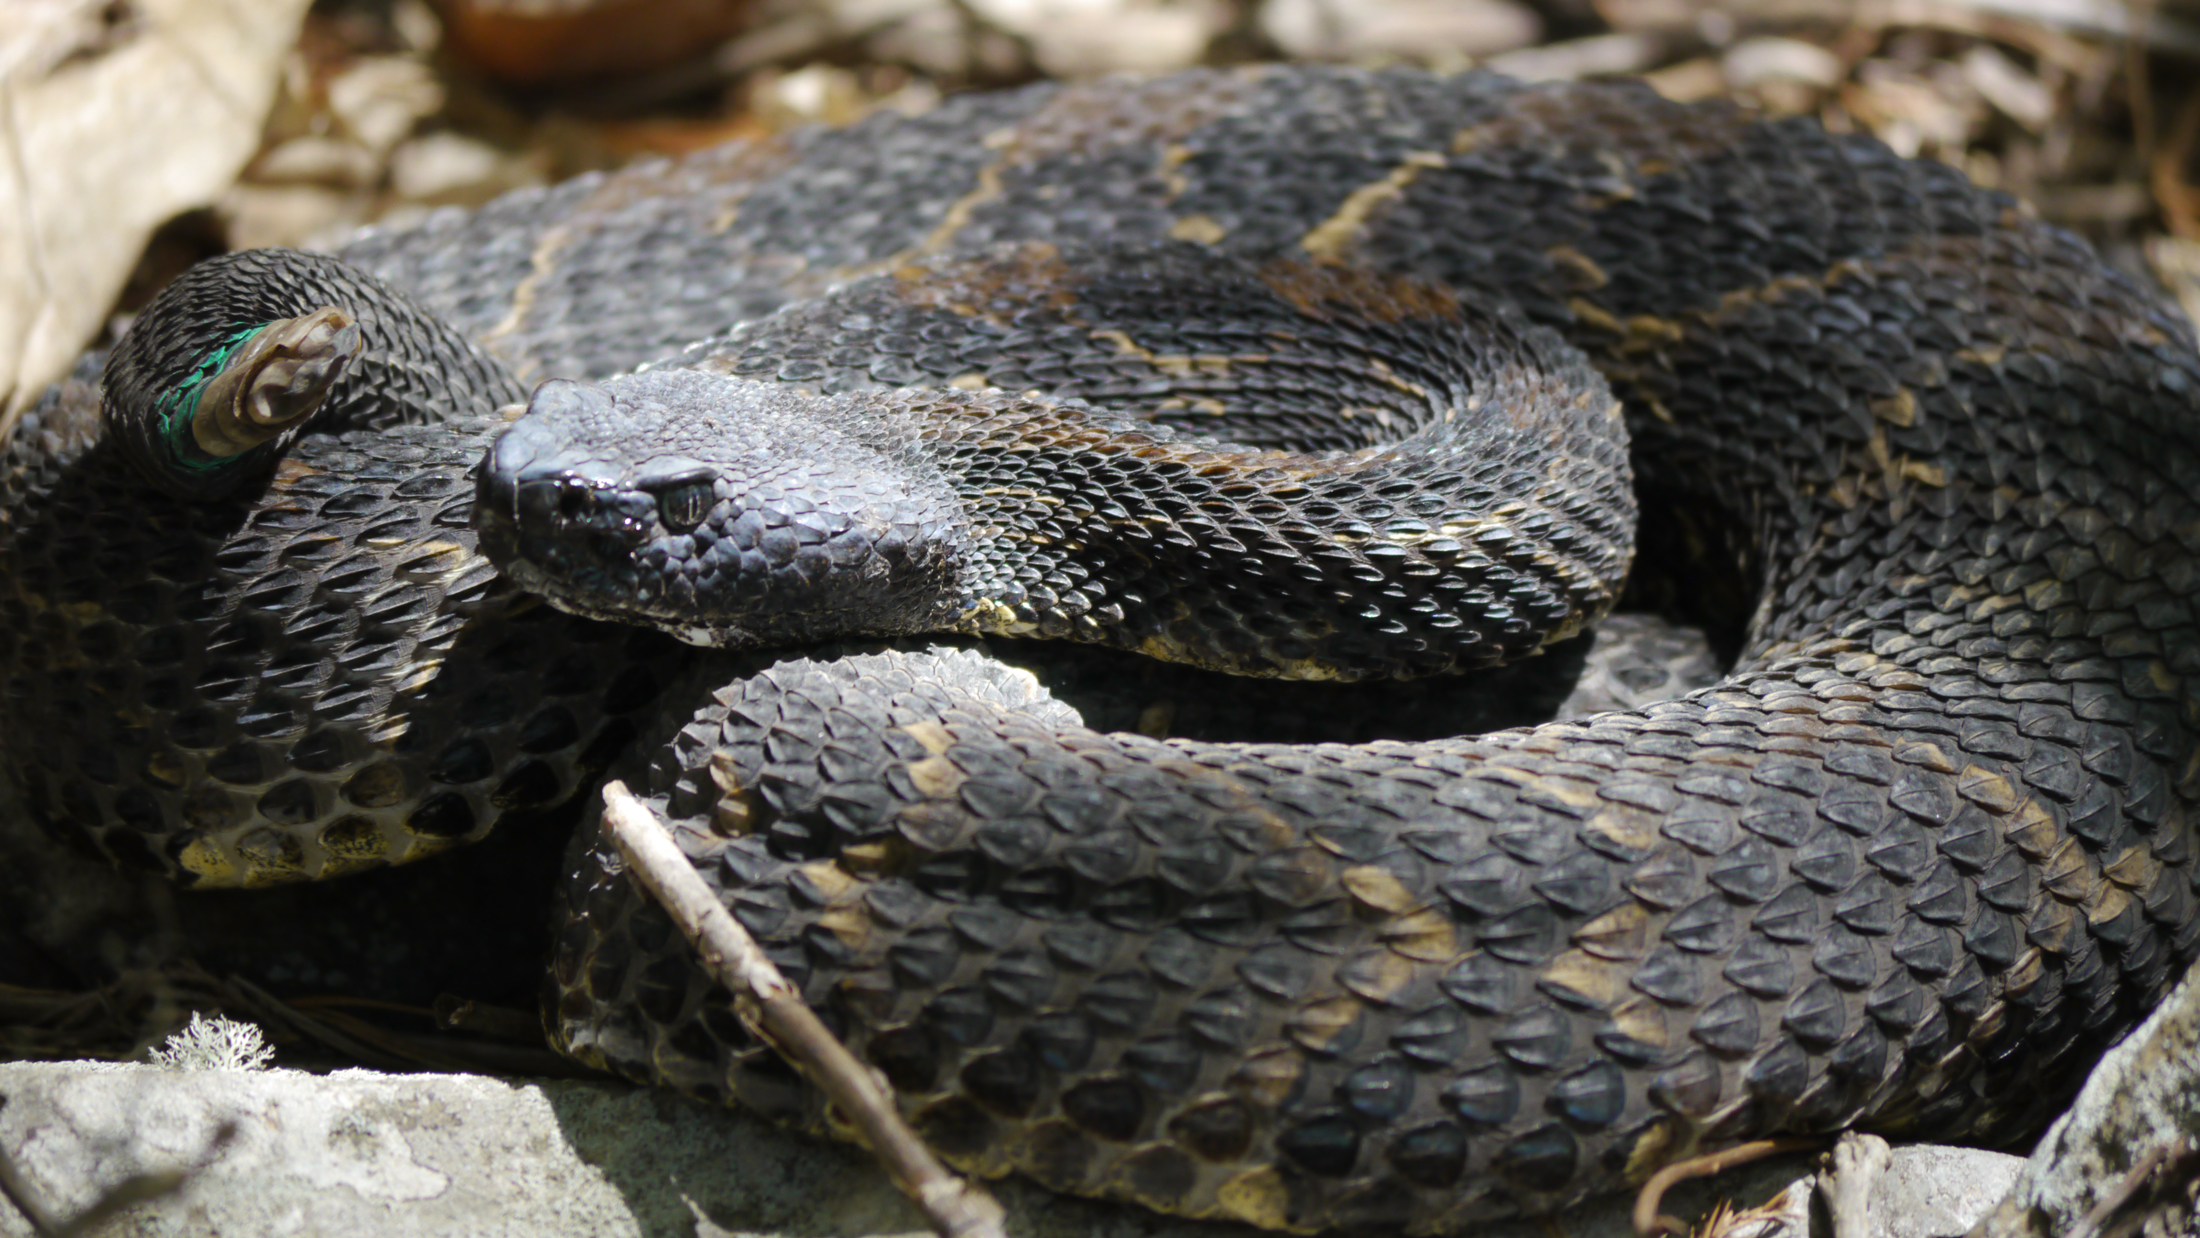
<point x="1919" y="857"/>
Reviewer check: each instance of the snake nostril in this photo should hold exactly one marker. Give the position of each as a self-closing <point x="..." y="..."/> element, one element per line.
<point x="538" y="501"/>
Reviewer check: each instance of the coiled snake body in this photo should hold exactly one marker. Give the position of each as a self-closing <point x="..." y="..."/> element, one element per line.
<point x="1920" y="855"/>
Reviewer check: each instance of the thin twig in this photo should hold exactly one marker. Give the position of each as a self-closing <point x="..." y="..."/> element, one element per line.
<point x="2121" y="1193"/>
<point x="267" y="1008"/>
<point x="1649" y="1222"/>
<point x="2126" y="1189"/>
<point x="776" y="1013"/>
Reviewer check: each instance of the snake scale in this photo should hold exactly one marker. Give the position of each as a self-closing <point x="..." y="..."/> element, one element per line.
<point x="1911" y="865"/>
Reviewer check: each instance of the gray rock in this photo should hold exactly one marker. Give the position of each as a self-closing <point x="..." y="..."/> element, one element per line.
<point x="1935" y="1192"/>
<point x="455" y="1155"/>
<point x="349" y="1153"/>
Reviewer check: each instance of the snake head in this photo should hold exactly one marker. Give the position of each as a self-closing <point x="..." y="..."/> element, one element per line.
<point x="725" y="512"/>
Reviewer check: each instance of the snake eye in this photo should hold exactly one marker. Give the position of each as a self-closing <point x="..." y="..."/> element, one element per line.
<point x="683" y="506"/>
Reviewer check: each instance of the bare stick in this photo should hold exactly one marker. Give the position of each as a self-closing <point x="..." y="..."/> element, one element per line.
<point x="1647" y="1220"/>
<point x="2095" y="1221"/>
<point x="775" y="1012"/>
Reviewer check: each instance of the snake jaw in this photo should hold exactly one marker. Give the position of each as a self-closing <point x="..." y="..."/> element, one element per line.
<point x="272" y="381"/>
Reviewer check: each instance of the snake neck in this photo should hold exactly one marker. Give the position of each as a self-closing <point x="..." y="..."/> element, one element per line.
<point x="1468" y="508"/>
<point x="1388" y="562"/>
<point x="245" y="352"/>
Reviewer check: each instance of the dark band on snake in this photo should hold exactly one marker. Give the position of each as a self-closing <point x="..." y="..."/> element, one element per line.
<point x="1200" y="367"/>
